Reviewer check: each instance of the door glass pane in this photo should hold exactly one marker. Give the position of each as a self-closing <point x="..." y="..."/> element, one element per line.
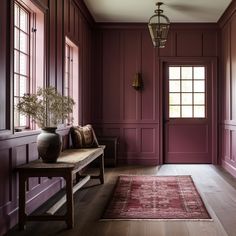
<point x="174" y="72"/>
<point x="199" y="86"/>
<point x="187" y="98"/>
<point x="187" y="111"/>
<point x="174" y="111"/>
<point x="174" y="86"/>
<point x="199" y="98"/>
<point x="199" y="111"/>
<point x="186" y="73"/>
<point x="174" y="98"/>
<point x="199" y="72"/>
<point x="187" y="86"/>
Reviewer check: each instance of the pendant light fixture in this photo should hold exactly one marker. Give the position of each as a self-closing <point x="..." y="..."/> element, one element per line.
<point x="159" y="25"/>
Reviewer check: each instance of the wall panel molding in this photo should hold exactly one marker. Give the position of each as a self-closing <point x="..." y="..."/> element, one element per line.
<point x="228" y="79"/>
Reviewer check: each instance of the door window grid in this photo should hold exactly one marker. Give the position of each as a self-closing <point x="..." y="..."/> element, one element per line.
<point x="187" y="92"/>
<point x="21" y="59"/>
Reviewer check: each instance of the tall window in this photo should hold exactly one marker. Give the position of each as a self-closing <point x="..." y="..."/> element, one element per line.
<point x="71" y="78"/>
<point x="187" y="85"/>
<point x="21" y="58"/>
<point x="28" y="54"/>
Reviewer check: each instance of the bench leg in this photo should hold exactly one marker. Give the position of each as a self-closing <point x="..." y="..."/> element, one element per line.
<point x="21" y="212"/>
<point x="70" y="200"/>
<point x="101" y="166"/>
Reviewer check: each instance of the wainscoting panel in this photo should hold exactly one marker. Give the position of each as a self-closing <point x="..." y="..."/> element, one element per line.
<point x="137" y="144"/>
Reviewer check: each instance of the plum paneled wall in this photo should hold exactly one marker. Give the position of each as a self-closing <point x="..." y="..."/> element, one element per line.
<point x="124" y="112"/>
<point x="62" y="18"/>
<point x="136" y="117"/>
<point x="228" y="93"/>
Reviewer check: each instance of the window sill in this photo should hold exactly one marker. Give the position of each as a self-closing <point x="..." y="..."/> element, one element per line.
<point x="9" y="135"/>
<point x="23" y="133"/>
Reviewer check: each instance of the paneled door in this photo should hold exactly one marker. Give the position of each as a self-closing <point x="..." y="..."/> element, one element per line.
<point x="187" y="113"/>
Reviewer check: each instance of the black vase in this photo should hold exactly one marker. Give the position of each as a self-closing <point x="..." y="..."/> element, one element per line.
<point x="49" y="145"/>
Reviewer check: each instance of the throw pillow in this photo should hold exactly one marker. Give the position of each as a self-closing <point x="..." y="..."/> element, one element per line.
<point x="83" y="137"/>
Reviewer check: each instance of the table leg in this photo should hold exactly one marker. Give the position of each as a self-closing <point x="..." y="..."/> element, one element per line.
<point x="21" y="213"/>
<point x="70" y="200"/>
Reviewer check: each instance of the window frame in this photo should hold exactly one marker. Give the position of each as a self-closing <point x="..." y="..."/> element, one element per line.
<point x="17" y="72"/>
<point x="71" y="72"/>
<point x="37" y="22"/>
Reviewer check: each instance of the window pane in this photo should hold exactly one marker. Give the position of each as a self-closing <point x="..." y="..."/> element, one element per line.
<point x="187" y="98"/>
<point x="16" y="15"/>
<point x="16" y="113"/>
<point x="187" y="111"/>
<point x="199" y="72"/>
<point x="23" y="42"/>
<point x="23" y="20"/>
<point x="186" y="73"/>
<point x="186" y="86"/>
<point x="174" y="98"/>
<point x="16" y="85"/>
<point x="199" y="86"/>
<point x="22" y="120"/>
<point x="199" y="98"/>
<point x="23" y="64"/>
<point x="199" y="111"/>
<point x="16" y="39"/>
<point x="23" y="85"/>
<point x="174" y="72"/>
<point x="16" y="62"/>
<point x="174" y="111"/>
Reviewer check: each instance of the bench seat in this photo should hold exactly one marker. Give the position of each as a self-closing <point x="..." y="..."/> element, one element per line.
<point x="80" y="157"/>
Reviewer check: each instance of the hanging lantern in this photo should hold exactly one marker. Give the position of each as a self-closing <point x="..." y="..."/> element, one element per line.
<point x="159" y="26"/>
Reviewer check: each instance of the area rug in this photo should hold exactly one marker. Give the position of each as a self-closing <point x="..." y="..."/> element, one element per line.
<point x="155" y="197"/>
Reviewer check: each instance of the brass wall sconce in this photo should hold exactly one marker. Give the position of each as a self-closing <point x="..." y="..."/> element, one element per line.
<point x="137" y="82"/>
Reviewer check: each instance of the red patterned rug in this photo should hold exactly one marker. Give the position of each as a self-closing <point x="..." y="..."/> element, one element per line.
<point x="155" y="197"/>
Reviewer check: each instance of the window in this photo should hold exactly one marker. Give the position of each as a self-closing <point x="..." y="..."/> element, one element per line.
<point x="21" y="58"/>
<point x="187" y="92"/>
<point x="71" y="78"/>
<point x="28" y="54"/>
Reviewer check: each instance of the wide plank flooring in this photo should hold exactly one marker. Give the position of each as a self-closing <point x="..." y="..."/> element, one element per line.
<point x="217" y="188"/>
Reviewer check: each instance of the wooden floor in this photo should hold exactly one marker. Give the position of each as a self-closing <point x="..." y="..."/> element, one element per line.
<point x="218" y="190"/>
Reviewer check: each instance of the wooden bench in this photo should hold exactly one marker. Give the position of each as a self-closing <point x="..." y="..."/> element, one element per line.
<point x="68" y="165"/>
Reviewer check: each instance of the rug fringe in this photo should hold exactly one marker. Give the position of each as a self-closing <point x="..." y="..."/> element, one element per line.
<point x="194" y="220"/>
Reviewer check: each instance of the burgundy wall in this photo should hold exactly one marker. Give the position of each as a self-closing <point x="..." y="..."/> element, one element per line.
<point x="137" y="117"/>
<point x="228" y="85"/>
<point x="70" y="18"/>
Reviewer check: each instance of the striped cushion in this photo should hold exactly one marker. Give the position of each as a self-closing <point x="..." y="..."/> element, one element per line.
<point x="83" y="137"/>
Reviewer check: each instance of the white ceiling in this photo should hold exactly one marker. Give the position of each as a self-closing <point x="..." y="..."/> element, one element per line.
<point x="142" y="10"/>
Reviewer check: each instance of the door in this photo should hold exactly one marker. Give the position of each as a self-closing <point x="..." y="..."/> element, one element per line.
<point x="187" y="113"/>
